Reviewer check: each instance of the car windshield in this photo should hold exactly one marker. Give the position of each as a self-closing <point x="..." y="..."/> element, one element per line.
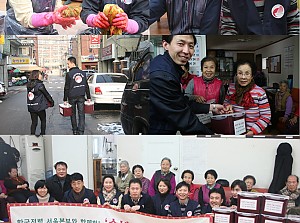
<point x="107" y="78"/>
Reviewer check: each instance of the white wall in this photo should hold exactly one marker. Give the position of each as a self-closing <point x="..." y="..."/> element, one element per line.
<point x="279" y="49"/>
<point x="232" y="158"/>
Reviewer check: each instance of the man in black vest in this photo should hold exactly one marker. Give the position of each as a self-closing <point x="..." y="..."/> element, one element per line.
<point x="59" y="183"/>
<point x="76" y="87"/>
<point x="170" y="111"/>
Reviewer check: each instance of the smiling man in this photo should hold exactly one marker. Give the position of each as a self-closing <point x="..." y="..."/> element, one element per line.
<point x="78" y="193"/>
<point x="170" y="111"/>
<point x="59" y="183"/>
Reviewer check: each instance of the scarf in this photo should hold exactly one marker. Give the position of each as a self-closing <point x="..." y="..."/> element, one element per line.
<point x="242" y="95"/>
<point x="292" y="195"/>
<point x="136" y="201"/>
<point x="164" y="173"/>
<point x="43" y="199"/>
<point x="78" y="197"/>
<point x="108" y="196"/>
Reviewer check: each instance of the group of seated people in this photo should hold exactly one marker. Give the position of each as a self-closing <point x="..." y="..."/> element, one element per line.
<point x="132" y="191"/>
<point x="245" y="95"/>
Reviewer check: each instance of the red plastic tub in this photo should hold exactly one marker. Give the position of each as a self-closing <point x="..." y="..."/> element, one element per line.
<point x="249" y="202"/>
<point x="241" y="217"/>
<point x="65" y="110"/>
<point x="274" y="204"/>
<point x="229" y="124"/>
<point x="89" y="107"/>
<point x="224" y="215"/>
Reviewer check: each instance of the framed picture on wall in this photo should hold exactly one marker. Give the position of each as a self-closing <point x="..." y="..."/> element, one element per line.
<point x="274" y="64"/>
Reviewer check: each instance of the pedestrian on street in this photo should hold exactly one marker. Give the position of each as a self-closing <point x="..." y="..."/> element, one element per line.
<point x="76" y="87"/>
<point x="170" y="111"/>
<point x="38" y="100"/>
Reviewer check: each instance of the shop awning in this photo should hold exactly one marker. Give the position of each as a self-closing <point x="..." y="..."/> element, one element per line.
<point x="26" y="67"/>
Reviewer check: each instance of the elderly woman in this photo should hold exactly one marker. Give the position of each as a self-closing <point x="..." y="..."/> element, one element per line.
<point x="35" y="17"/>
<point x="203" y="196"/>
<point x="283" y="104"/>
<point x="133" y="20"/>
<point x="4" y="199"/>
<point x="163" y="173"/>
<point x="246" y="96"/>
<point x="250" y="182"/>
<point x="138" y="172"/>
<point x="207" y="88"/>
<point x="124" y="177"/>
<point x="17" y="186"/>
<point x="109" y="194"/>
<point x="42" y="194"/>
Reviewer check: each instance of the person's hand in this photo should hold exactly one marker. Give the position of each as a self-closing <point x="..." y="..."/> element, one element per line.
<point x="283" y="119"/>
<point x="64" y="22"/>
<point x="106" y="204"/>
<point x="86" y="201"/>
<point x="65" y="102"/>
<point x="101" y="21"/>
<point x="200" y="99"/>
<point x="136" y="207"/>
<point x="127" y="207"/>
<point x="120" y="21"/>
<point x="294" y="120"/>
<point x="216" y="108"/>
<point x="228" y="109"/>
<point x="126" y="190"/>
<point x="89" y="100"/>
<point x="250" y="133"/>
<point x="3" y="195"/>
<point x="233" y="206"/>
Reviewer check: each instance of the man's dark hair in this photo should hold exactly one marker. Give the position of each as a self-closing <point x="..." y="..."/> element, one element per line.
<point x="72" y="60"/>
<point x="250" y="177"/>
<point x="167" y="183"/>
<point x="239" y="183"/>
<point x="182" y="184"/>
<point x="134" y="181"/>
<point x="60" y="163"/>
<point x="169" y="38"/>
<point x="211" y="172"/>
<point x="187" y="171"/>
<point x="76" y="176"/>
<point x="218" y="191"/>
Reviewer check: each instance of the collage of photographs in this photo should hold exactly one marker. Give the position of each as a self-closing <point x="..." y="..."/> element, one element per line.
<point x="143" y="111"/>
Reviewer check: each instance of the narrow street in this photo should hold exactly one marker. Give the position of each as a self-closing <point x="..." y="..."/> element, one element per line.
<point x="15" y="119"/>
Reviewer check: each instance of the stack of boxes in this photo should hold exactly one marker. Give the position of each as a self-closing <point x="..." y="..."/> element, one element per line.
<point x="256" y="208"/>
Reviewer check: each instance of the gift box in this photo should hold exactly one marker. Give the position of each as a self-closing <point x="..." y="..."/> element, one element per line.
<point x="249" y="202"/>
<point x="271" y="219"/>
<point x="224" y="215"/>
<point x="89" y="107"/>
<point x="65" y="110"/>
<point x="229" y="124"/>
<point x="293" y="219"/>
<point x="274" y="204"/>
<point x="241" y="217"/>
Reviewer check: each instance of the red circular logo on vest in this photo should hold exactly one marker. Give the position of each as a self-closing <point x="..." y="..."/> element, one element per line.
<point x="189" y="213"/>
<point x="78" y="79"/>
<point x="30" y="96"/>
<point x="167" y="207"/>
<point x="277" y="11"/>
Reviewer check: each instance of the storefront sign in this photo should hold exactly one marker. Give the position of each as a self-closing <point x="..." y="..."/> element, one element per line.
<point x="108" y="52"/>
<point x="20" y="60"/>
<point x="95" y="41"/>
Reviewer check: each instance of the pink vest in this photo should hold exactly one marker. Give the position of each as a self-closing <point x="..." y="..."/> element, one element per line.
<point x="209" y="90"/>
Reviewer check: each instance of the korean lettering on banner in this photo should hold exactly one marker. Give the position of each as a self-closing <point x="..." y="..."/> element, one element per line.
<point x="78" y="213"/>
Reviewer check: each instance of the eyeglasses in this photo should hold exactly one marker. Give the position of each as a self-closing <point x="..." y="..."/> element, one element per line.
<point x="244" y="74"/>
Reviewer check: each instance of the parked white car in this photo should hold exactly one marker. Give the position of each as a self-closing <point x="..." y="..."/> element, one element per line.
<point x="107" y="88"/>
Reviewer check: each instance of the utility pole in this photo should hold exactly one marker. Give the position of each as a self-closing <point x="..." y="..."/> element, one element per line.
<point x="79" y="64"/>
